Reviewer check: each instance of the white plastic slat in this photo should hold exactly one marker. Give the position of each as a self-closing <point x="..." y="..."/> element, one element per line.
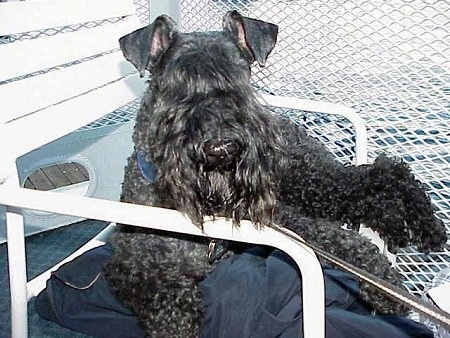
<point x="30" y="15"/>
<point x="53" y="87"/>
<point x="49" y="124"/>
<point x="34" y="55"/>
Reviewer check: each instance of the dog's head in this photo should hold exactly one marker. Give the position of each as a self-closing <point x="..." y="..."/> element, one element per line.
<point x="213" y="145"/>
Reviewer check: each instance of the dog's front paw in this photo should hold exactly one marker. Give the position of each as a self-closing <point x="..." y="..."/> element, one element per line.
<point x="398" y="207"/>
<point x="433" y="237"/>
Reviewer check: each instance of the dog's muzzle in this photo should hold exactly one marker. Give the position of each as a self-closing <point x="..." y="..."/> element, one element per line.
<point x="221" y="155"/>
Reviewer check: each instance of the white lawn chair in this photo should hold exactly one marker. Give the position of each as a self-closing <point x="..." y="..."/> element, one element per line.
<point x="89" y="78"/>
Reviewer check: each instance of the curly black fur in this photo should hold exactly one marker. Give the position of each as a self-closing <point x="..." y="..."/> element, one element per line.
<point x="217" y="151"/>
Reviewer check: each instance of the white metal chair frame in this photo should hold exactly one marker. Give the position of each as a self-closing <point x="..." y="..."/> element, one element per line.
<point x="51" y="107"/>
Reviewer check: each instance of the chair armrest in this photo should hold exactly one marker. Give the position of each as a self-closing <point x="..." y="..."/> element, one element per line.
<point x="171" y="220"/>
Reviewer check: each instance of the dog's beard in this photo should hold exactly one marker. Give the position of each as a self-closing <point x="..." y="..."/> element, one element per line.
<point x="217" y="193"/>
<point x="241" y="192"/>
<point x="244" y="192"/>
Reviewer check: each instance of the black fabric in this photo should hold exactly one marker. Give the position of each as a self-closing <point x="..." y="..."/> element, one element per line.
<point x="253" y="294"/>
<point x="77" y="297"/>
<point x="256" y="294"/>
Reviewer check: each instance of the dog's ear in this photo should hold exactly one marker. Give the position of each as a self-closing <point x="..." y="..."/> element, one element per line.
<point x="255" y="38"/>
<point x="145" y="47"/>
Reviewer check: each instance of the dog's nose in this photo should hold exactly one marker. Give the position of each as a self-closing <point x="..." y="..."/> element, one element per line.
<point x="220" y="154"/>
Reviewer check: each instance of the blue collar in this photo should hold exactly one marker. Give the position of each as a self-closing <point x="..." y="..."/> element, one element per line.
<point x="146" y="168"/>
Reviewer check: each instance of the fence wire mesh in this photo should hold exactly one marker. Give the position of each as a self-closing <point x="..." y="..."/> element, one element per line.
<point x="389" y="60"/>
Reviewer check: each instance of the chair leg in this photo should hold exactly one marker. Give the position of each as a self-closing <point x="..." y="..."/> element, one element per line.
<point x="17" y="267"/>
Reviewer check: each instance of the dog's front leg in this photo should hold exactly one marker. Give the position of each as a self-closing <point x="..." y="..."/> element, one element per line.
<point x="351" y="247"/>
<point x="384" y="195"/>
<point x="156" y="277"/>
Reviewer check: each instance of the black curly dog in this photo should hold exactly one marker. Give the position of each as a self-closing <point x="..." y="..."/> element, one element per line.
<point x="216" y="150"/>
